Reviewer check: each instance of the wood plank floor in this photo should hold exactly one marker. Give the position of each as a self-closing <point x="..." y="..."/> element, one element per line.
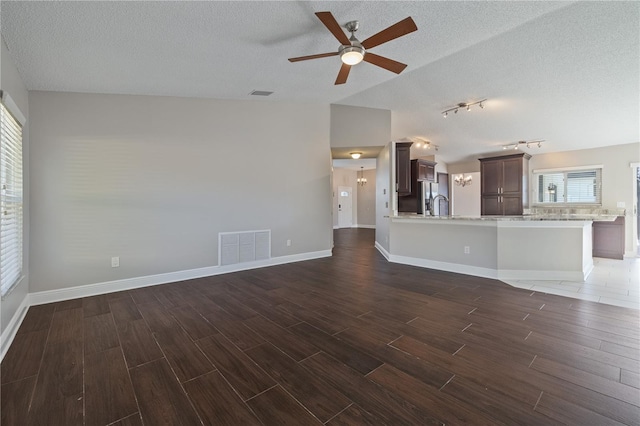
<point x="350" y="339"/>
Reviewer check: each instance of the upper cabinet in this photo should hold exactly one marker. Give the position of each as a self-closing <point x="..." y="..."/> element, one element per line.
<point x="424" y="170"/>
<point x="504" y="184"/>
<point x="403" y="168"/>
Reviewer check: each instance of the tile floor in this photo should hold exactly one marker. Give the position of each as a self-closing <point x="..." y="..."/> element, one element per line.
<point x="614" y="282"/>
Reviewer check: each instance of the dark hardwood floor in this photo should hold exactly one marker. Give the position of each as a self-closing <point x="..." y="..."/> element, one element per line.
<point x="350" y="339"/>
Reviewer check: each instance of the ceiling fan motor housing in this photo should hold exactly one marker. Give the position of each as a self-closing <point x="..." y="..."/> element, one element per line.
<point x="354" y="53"/>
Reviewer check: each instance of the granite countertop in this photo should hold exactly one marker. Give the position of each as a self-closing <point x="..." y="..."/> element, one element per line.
<point x="526" y="217"/>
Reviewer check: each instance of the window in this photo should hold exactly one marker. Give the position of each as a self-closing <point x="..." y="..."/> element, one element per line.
<point x="11" y="204"/>
<point x="572" y="186"/>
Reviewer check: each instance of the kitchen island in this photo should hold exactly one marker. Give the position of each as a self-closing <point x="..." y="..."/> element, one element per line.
<point x="529" y="247"/>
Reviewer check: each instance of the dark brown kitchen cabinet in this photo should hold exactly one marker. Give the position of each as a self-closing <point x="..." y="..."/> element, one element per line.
<point x="423" y="170"/>
<point x="403" y="168"/>
<point x="504" y="184"/>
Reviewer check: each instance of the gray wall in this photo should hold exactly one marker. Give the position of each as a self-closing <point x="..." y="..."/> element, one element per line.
<point x="385" y="186"/>
<point x="358" y="126"/>
<point x="367" y="200"/>
<point x="11" y="82"/>
<point x="155" y="179"/>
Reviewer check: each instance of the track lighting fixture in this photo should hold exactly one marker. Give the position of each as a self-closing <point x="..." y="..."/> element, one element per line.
<point x="465" y="105"/>
<point x="528" y="144"/>
<point x="423" y="143"/>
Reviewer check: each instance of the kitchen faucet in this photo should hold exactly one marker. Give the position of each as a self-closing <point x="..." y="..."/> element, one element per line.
<point x="433" y="202"/>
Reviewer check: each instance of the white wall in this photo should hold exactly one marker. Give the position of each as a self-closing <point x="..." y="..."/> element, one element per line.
<point x="618" y="184"/>
<point x="153" y="180"/>
<point x="11" y="82"/>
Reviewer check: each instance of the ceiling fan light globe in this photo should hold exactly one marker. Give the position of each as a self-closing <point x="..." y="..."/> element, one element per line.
<point x="352" y="55"/>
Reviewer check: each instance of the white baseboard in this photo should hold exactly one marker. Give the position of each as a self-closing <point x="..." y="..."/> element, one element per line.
<point x="500" y="274"/>
<point x="382" y="250"/>
<point x="445" y="266"/>
<point x="50" y="296"/>
<point x="366" y="226"/>
<point x="11" y="329"/>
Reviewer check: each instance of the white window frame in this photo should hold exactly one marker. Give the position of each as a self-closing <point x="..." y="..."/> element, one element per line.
<point x="566" y="171"/>
<point x="12" y="205"/>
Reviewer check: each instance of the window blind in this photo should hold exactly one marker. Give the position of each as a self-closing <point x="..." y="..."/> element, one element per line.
<point x="570" y="187"/>
<point x="11" y="208"/>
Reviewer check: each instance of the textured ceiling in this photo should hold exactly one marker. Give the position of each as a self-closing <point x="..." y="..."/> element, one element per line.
<point x="565" y="72"/>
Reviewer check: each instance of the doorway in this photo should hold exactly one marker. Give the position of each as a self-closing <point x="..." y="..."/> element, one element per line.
<point x="345" y="207"/>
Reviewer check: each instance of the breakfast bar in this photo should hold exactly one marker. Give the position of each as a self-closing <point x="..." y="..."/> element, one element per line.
<point x="529" y="247"/>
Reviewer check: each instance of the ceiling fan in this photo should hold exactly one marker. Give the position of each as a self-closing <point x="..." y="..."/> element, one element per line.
<point x="353" y="52"/>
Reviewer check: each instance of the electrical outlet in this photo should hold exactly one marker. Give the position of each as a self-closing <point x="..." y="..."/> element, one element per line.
<point x="115" y="261"/>
<point x="621" y="204"/>
<point x="288" y="243"/>
<point x="467" y="249"/>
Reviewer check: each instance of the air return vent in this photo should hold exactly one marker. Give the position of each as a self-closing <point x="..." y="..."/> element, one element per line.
<point x="246" y="246"/>
<point x="261" y="93"/>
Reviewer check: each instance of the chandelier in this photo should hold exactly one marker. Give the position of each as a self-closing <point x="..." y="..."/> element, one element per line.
<point x="362" y="181"/>
<point x="462" y="180"/>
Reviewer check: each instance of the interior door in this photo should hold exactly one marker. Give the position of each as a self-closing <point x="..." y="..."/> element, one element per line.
<point x="345" y="207"/>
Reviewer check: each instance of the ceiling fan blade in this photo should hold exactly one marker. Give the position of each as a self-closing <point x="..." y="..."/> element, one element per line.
<point x="320" y="55"/>
<point x="332" y="25"/>
<point x="386" y="63"/>
<point x="398" y="29"/>
<point x="343" y="74"/>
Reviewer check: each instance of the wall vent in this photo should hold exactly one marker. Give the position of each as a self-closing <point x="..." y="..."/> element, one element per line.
<point x="245" y="246"/>
<point x="260" y="93"/>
